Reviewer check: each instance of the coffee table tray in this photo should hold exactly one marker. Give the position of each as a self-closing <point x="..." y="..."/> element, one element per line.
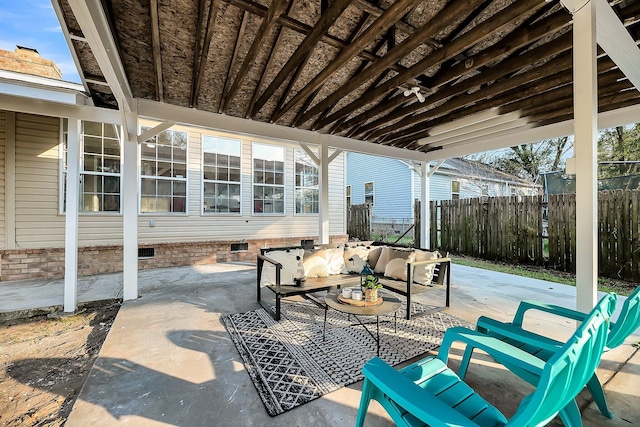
<point x="360" y="303"/>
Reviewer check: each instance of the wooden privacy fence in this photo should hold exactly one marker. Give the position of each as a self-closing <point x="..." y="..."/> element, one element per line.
<point x="500" y="228"/>
<point x="359" y="222"/>
<point x="618" y="233"/>
<point x="511" y="229"/>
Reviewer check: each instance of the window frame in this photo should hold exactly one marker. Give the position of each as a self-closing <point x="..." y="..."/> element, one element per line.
<point x="82" y="173"/>
<point x="203" y="212"/>
<point x="254" y="184"/>
<point x="156" y="177"/>
<point x="370" y="193"/>
<point x="347" y="193"/>
<point x="455" y="195"/>
<point x="297" y="187"/>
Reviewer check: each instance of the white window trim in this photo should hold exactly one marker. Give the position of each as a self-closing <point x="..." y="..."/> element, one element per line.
<point x="284" y="180"/>
<point x="202" y="211"/>
<point x="373" y="192"/>
<point x="63" y="172"/>
<point x="186" y="179"/>
<point x="295" y="187"/>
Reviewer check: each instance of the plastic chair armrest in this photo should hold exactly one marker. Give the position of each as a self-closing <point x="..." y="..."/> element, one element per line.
<point x="501" y="351"/>
<point x="515" y="332"/>
<point x="527" y="305"/>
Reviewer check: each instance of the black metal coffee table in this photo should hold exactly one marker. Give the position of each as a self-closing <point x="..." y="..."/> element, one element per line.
<point x="390" y="304"/>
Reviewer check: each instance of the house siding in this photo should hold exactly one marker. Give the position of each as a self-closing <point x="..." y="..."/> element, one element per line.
<point x="3" y="148"/>
<point x="392" y="184"/>
<point x="179" y="239"/>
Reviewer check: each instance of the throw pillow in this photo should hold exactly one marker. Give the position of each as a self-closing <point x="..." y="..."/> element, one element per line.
<point x="423" y="274"/>
<point x="335" y="260"/>
<point x="355" y="257"/>
<point x="315" y="263"/>
<point x="381" y="264"/>
<point x="374" y="255"/>
<point x="397" y="265"/>
<point x="292" y="267"/>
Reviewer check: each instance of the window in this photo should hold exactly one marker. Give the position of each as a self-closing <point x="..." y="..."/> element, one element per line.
<point x="455" y="190"/>
<point x="348" y="192"/>
<point x="163" y="173"/>
<point x="268" y="179"/>
<point x="306" y="184"/>
<point x="368" y="193"/>
<point x="99" y="169"/>
<point x="221" y="175"/>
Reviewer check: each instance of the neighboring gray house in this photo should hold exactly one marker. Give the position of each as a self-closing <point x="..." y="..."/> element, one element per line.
<point x="392" y="185"/>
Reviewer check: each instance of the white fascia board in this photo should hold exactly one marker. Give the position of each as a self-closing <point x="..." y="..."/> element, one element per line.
<point x="187" y="116"/>
<point x="21" y="104"/>
<point x="39" y="81"/>
<point x="39" y="93"/>
<point x="95" y="27"/>
<point x="608" y="119"/>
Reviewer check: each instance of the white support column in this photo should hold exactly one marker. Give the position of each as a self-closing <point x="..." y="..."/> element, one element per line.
<point x="585" y="89"/>
<point x="71" y="216"/>
<point x="323" y="184"/>
<point x="130" y="205"/>
<point x="10" y="181"/>
<point x="425" y="212"/>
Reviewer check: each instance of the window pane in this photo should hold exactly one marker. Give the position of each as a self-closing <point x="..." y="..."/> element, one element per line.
<point x="148" y="186"/>
<point x="278" y="178"/>
<point x="179" y="204"/>
<point x="164" y="187"/>
<point x="164" y="169"/>
<point x="112" y="184"/>
<point x="234" y="161"/>
<point x="92" y="128"/>
<point x="164" y="153"/>
<point x="164" y="138"/>
<point x="111" y="131"/>
<point x="209" y="172"/>
<point x="163" y="204"/>
<point x="92" y="145"/>
<point x="179" y="170"/>
<point x="179" y="188"/>
<point x="111" y="203"/>
<point x="148" y="151"/>
<point x="148" y="168"/>
<point x="112" y="147"/>
<point x="92" y="163"/>
<point x="92" y="183"/>
<point x="111" y="165"/>
<point x="234" y="175"/>
<point x="91" y="203"/>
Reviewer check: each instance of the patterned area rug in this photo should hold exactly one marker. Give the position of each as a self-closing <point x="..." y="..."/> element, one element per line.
<point x="290" y="363"/>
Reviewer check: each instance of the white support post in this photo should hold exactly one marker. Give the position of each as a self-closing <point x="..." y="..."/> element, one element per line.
<point x="585" y="89"/>
<point x="425" y="212"/>
<point x="130" y="205"/>
<point x="323" y="184"/>
<point x="10" y="181"/>
<point x="71" y="216"/>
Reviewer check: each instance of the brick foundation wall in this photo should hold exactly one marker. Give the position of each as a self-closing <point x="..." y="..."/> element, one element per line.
<point x="20" y="264"/>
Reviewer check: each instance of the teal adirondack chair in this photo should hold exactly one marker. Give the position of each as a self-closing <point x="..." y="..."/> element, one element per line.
<point x="628" y="321"/>
<point x="428" y="392"/>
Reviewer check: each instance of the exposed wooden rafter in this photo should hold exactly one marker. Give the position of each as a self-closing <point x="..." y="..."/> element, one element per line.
<point x="234" y="56"/>
<point x="157" y="54"/>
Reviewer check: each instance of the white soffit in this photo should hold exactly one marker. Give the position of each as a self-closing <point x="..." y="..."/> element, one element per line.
<point x="94" y="26"/>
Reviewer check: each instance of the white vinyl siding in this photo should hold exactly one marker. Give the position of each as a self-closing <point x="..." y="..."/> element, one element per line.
<point x="39" y="224"/>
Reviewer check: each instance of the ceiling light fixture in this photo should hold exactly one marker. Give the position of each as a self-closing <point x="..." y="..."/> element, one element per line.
<point x="415" y="90"/>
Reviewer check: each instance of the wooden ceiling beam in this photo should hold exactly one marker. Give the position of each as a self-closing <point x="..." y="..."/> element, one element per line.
<point x="234" y="57"/>
<point x="474" y="36"/>
<point x="297" y="26"/>
<point x="273" y="13"/>
<point x="509" y="65"/>
<point x="442" y="19"/>
<point x="380" y="25"/>
<point x="374" y="10"/>
<point x="155" y="45"/>
<point x="276" y="46"/>
<point x="550" y="75"/>
<point x="202" y="52"/>
<point x="544" y="93"/>
<point x="327" y="18"/>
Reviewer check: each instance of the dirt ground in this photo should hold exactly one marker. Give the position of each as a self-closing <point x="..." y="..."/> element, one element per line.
<point x="44" y="362"/>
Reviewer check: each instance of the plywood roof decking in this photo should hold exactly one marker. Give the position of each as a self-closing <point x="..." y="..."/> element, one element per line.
<point x="341" y="67"/>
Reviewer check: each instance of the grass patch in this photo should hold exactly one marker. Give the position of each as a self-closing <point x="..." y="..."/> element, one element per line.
<point x="604" y="284"/>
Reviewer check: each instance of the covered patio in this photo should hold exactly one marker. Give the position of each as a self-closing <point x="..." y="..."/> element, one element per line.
<point x="418" y="80"/>
<point x="168" y="359"/>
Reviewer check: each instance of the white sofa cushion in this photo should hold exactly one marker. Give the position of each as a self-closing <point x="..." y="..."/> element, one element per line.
<point x="335" y="260"/>
<point x="397" y="264"/>
<point x="292" y="267"/>
<point x="423" y="274"/>
<point x="315" y="263"/>
<point x="355" y="257"/>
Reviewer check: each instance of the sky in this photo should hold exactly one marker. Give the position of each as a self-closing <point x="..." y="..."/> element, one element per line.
<point x="33" y="23"/>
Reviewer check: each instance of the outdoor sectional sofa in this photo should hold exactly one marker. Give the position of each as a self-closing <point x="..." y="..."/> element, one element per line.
<point x="293" y="271"/>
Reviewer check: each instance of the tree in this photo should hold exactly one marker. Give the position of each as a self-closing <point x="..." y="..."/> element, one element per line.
<point x="529" y="160"/>
<point x="618" y="149"/>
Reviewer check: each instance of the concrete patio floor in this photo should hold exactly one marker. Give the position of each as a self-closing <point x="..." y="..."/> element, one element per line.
<point x="168" y="359"/>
